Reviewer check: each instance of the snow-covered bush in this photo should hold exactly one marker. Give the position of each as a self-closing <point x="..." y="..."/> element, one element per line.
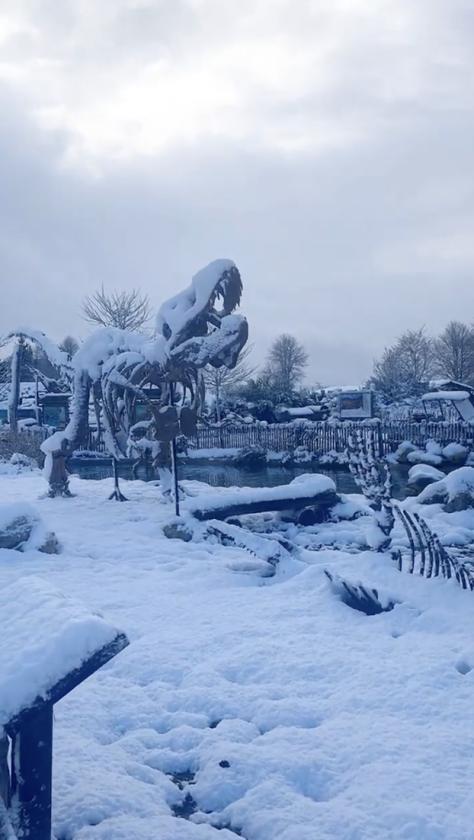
<point x="17" y="463"/>
<point x="22" y="461"/>
<point x="251" y="457"/>
<point x="21" y="443"/>
<point x="301" y="455"/>
<point x="333" y="458"/>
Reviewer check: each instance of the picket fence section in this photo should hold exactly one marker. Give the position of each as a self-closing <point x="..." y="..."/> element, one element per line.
<point x="324" y="437"/>
<point x="319" y="438"/>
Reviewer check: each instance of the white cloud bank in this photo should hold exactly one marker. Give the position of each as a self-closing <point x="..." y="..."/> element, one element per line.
<point x="325" y="146"/>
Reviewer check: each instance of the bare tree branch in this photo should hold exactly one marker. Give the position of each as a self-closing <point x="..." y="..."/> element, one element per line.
<point x="127" y="310"/>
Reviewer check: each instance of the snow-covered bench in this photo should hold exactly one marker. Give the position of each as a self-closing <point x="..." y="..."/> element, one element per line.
<point x="50" y="644"/>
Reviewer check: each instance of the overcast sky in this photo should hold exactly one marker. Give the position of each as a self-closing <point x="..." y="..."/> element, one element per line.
<point x="324" y="145"/>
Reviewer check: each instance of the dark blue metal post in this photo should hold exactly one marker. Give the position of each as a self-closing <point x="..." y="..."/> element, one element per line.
<point x="32" y="768"/>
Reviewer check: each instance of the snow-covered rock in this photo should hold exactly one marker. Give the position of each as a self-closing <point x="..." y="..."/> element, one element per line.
<point x="22" y="529"/>
<point x="455" y="491"/>
<point x="420" y="475"/>
<point x="420" y="456"/>
<point x="403" y="450"/>
<point x="455" y="453"/>
<point x="433" y="454"/>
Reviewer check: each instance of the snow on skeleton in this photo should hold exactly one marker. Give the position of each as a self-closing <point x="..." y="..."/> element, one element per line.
<point x="115" y="367"/>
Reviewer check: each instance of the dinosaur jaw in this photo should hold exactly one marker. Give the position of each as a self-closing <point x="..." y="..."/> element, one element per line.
<point x="213" y="294"/>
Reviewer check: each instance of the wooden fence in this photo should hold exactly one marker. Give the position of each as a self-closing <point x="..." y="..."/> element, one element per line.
<point x="319" y="437"/>
<point x="323" y="437"/>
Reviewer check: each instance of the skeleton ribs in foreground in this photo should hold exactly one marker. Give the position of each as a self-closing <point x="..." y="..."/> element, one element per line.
<point x="116" y="369"/>
<point x="373" y="478"/>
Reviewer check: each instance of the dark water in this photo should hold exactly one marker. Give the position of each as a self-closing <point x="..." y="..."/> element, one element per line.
<point x="228" y="475"/>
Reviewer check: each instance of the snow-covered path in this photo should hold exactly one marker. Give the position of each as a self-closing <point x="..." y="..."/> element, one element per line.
<point x="288" y="715"/>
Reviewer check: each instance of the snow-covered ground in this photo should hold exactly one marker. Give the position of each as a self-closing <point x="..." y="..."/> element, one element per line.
<point x="285" y="714"/>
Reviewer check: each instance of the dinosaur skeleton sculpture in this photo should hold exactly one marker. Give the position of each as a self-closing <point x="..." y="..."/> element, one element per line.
<point x="116" y="368"/>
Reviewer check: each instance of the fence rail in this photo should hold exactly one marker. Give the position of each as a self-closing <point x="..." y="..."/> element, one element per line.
<point x="320" y="437"/>
<point x="324" y="437"/>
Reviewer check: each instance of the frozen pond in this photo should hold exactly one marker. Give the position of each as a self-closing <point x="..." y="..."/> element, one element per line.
<point x="229" y="475"/>
<point x="225" y="474"/>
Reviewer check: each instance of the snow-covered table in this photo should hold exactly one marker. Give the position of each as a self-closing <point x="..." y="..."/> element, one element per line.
<point x="50" y="644"/>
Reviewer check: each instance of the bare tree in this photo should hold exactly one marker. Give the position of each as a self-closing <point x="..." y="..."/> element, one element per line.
<point x="406" y="367"/>
<point x="454" y="352"/>
<point x="416" y="349"/>
<point x="125" y="310"/>
<point x="69" y="345"/>
<point x="286" y="362"/>
<point x="388" y="375"/>
<point x="222" y="380"/>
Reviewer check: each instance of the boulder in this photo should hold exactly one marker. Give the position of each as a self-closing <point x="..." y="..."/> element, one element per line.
<point x="177" y="530"/>
<point x="455" y="453"/>
<point x="16" y="532"/>
<point x="404" y="449"/>
<point x="455" y="491"/>
<point x="22" y="529"/>
<point x="421" y="475"/>
<point x="421" y="456"/>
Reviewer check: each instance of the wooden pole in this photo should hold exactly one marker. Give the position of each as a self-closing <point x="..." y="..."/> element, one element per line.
<point x="174" y="462"/>
<point x="15" y="386"/>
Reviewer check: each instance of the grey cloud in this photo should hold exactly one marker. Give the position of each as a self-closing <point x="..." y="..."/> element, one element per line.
<point x="344" y="246"/>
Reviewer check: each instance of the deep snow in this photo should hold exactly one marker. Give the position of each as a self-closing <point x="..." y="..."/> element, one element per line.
<point x="299" y="718"/>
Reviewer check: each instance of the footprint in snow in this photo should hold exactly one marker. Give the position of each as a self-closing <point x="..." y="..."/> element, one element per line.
<point x="463" y="666"/>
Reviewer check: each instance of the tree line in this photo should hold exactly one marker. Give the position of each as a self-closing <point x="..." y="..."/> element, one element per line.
<point x="406" y="367"/>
